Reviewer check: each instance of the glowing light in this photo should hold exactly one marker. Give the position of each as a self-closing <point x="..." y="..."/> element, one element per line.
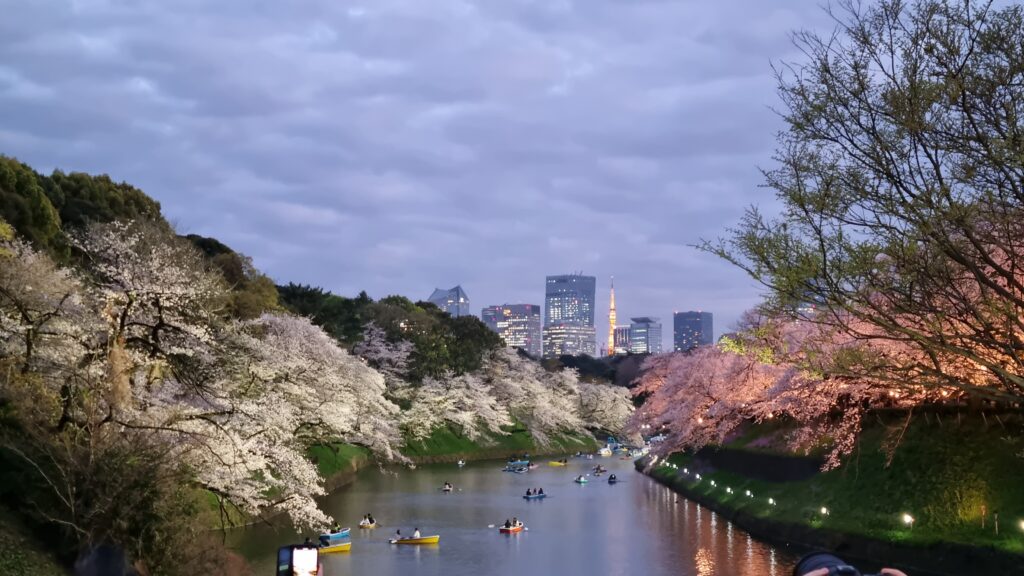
<point x="1022" y="524"/>
<point x="698" y="476"/>
<point x="824" y="511"/>
<point x="771" y="501"/>
<point x="686" y="470"/>
<point x="908" y="519"/>
<point x="749" y="494"/>
<point x="700" y="420"/>
<point x="713" y="483"/>
<point x="728" y="489"/>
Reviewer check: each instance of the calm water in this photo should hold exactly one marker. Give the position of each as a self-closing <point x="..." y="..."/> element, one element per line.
<point x="634" y="527"/>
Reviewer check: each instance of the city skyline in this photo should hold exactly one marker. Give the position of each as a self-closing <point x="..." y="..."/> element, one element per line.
<point x="666" y="337"/>
<point x="372" y="150"/>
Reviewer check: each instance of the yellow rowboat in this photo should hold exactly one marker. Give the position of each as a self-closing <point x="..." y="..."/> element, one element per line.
<point x="424" y="540"/>
<point x="553" y="463"/>
<point x="343" y="547"/>
<point x="368" y="526"/>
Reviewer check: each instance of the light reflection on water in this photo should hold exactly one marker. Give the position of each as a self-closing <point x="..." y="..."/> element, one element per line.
<point x="634" y="527"/>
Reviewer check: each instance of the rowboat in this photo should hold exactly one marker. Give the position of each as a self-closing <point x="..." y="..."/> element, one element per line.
<point x="462" y="463"/>
<point x="335" y="548"/>
<point x="553" y="463"/>
<point x="514" y="463"/>
<point x="368" y="525"/>
<point x="606" y="451"/>
<point x="513" y="530"/>
<point x="339" y="535"/>
<point x="535" y="497"/>
<point x="423" y="540"/>
<point x="580" y="480"/>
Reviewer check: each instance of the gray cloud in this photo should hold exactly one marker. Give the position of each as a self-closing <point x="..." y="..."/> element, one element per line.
<point x="399" y="145"/>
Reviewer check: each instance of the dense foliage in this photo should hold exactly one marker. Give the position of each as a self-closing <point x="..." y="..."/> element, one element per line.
<point x="40" y="207"/>
<point x="441" y="344"/>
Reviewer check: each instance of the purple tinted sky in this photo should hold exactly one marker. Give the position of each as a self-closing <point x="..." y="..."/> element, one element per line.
<point x="401" y="145"/>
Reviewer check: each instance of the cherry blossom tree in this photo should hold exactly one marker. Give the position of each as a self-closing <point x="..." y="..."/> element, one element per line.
<point x="465" y="402"/>
<point x="774" y="368"/>
<point x="548" y="403"/>
<point x="143" y="347"/>
<point x="391" y="359"/>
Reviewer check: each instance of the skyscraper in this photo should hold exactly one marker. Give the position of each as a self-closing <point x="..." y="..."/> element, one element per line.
<point x="453" y="301"/>
<point x="569" y="315"/>
<point x="692" y="329"/>
<point x="611" y="320"/>
<point x="645" y="335"/>
<point x="517" y="324"/>
<point x="621" y="339"/>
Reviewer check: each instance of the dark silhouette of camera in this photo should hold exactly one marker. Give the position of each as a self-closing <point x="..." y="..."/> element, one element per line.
<point x="818" y="560"/>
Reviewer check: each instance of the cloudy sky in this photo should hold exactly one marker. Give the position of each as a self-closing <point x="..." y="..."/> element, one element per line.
<point x="401" y="145"/>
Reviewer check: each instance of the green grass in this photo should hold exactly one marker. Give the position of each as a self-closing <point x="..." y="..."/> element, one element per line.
<point x="446" y="442"/>
<point x="19" y="553"/>
<point x="946" y="477"/>
<point x="331" y="459"/>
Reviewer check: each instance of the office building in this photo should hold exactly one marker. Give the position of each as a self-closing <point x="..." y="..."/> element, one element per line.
<point x="517" y="324"/>
<point x="454" y="301"/>
<point x="645" y="335"/>
<point x="691" y="329"/>
<point x="621" y="339"/>
<point x="569" y="315"/>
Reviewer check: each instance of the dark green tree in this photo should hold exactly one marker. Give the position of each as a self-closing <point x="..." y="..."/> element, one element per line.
<point x="25" y="205"/>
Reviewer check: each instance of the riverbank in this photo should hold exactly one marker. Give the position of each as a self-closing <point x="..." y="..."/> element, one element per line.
<point x="447" y="445"/>
<point x="933" y="509"/>
<point x="339" y="463"/>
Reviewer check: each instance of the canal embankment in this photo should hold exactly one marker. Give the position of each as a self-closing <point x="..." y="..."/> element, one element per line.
<point x="949" y="500"/>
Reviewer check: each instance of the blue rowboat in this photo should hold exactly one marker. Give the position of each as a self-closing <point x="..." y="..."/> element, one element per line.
<point x="535" y="497"/>
<point x="335" y="537"/>
<point x="518" y="462"/>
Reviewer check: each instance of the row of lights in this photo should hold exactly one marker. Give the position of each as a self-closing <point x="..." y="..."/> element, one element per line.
<point x="905" y="517"/>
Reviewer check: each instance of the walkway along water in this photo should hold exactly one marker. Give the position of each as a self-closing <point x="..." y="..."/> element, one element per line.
<point x="633" y="527"/>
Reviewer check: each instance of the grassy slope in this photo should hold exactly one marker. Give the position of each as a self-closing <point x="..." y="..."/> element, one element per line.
<point x="19" y="553"/>
<point x="944" y="476"/>
<point x="447" y="443"/>
<point x="338" y="458"/>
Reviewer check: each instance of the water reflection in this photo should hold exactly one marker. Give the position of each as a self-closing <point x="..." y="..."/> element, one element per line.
<point x="634" y="527"/>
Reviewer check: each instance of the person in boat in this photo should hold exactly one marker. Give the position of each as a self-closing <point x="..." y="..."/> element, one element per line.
<point x="335" y="528"/>
<point x="398" y="534"/>
<point x="529" y="492"/>
<point x="539" y="492"/>
<point x="612" y="478"/>
<point x="416" y="533"/>
<point x="308" y="542"/>
<point x="508" y="523"/>
<point x="579" y="478"/>
<point x="370" y="520"/>
<point x="515" y="522"/>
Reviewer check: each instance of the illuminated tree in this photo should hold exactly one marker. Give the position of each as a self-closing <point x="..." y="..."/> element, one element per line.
<point x="900" y="178"/>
